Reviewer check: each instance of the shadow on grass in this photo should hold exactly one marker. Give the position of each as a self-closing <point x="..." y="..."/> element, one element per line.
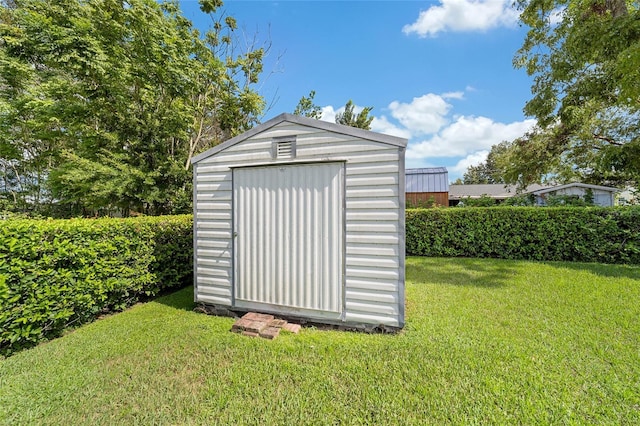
<point x="489" y="273"/>
<point x="603" y="270"/>
<point x="493" y="273"/>
<point x="181" y="299"/>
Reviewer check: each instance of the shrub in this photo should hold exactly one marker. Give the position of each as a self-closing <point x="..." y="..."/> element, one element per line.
<point x="590" y="234"/>
<point x="523" y="200"/>
<point x="59" y="273"/>
<point x="483" y="201"/>
<point x="422" y="204"/>
<point x="568" y="200"/>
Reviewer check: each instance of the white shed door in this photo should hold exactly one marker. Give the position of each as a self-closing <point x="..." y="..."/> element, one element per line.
<point x="288" y="249"/>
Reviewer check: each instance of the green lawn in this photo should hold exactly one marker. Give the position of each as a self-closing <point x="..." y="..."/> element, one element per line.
<point x="486" y="341"/>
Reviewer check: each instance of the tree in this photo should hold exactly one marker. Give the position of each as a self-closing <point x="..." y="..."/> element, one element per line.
<point x="489" y="171"/>
<point x="307" y="108"/>
<point x="350" y="118"/>
<point x="104" y="102"/>
<point x="534" y="158"/>
<point x="586" y="90"/>
<point x="483" y="201"/>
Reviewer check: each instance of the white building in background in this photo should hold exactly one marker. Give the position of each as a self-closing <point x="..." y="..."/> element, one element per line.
<point x="604" y="196"/>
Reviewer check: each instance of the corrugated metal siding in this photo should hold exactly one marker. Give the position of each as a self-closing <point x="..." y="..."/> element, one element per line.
<point x="373" y="254"/>
<point x="427" y="180"/>
<point x="289" y="235"/>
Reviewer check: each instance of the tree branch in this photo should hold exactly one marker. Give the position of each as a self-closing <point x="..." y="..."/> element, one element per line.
<point x="606" y="139"/>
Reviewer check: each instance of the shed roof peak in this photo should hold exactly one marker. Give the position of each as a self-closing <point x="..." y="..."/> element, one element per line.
<point x="308" y="122"/>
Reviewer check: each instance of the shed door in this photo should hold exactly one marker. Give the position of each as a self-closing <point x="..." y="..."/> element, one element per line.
<point x="288" y="224"/>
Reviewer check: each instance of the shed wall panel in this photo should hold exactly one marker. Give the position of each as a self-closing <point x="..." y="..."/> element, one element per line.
<point x="367" y="272"/>
<point x="211" y="206"/>
<point x="216" y="196"/>
<point x="388" y="180"/>
<point x="219" y="236"/>
<point x="373" y="227"/>
<point x="390" y="215"/>
<point x="369" y="238"/>
<point x="365" y="191"/>
<point x="204" y="177"/>
<point x="214" y="186"/>
<point x="388" y="250"/>
<point x="372" y="316"/>
<point x="371" y="261"/>
<point x="214" y="253"/>
<point x="220" y="283"/>
<point x="381" y="308"/>
<point x="375" y="284"/>
<point x="213" y="243"/>
<point x="213" y="299"/>
<point x="216" y="291"/>
<point x="206" y="167"/>
<point x="215" y="215"/>
<point x="370" y="295"/>
<point x="213" y="224"/>
<point x="376" y="168"/>
<point x="381" y="203"/>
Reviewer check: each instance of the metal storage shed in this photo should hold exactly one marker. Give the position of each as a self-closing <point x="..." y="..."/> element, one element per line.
<point x="303" y="218"/>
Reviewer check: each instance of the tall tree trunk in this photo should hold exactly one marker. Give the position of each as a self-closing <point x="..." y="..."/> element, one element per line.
<point x="618" y="8"/>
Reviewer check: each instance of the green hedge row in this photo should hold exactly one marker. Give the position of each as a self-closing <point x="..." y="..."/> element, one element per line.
<point x="594" y="234"/>
<point x="60" y="273"/>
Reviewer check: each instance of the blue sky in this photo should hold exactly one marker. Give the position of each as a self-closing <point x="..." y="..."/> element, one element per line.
<point x="438" y="73"/>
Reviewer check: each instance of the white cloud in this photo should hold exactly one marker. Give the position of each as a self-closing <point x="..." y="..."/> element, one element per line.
<point x="468" y="135"/>
<point x="379" y="124"/>
<point x="424" y="115"/>
<point x="463" y="15"/>
<point x="453" y="95"/>
<point x="470" y="160"/>
<point x="329" y="114"/>
<point x="557" y="15"/>
<point x="383" y="125"/>
<point x="436" y="135"/>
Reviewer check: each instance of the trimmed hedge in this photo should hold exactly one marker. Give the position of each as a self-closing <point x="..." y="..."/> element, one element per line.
<point x="60" y="273"/>
<point x="594" y="234"/>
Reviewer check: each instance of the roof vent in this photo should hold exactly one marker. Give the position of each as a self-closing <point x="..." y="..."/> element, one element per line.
<point x="284" y="148"/>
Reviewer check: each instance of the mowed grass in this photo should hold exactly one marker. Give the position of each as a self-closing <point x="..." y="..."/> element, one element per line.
<point x="486" y="341"/>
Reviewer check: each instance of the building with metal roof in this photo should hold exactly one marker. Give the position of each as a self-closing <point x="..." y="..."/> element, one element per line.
<point x="303" y="218"/>
<point x="426" y="187"/>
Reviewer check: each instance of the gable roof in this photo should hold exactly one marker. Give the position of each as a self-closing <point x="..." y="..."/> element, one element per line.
<point x="307" y="122"/>
<point x="570" y="185"/>
<point x="427" y="171"/>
